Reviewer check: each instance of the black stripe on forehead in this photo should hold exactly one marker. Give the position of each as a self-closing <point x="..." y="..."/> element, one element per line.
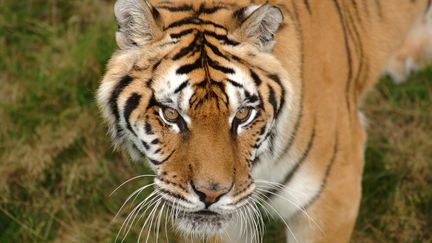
<point x="194" y="21"/>
<point x="189" y="8"/>
<point x="213" y="91"/>
<point x="208" y="10"/>
<point x="223" y="38"/>
<point x="181" y="86"/>
<point x="181" y="8"/>
<point x="215" y="65"/>
<point x="181" y="34"/>
<point x="199" y="44"/>
<point x="190" y="48"/>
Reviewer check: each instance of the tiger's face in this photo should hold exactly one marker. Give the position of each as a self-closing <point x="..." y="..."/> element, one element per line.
<point x="195" y="90"/>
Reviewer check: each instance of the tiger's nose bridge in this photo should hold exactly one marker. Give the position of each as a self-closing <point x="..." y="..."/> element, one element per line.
<point x="212" y="157"/>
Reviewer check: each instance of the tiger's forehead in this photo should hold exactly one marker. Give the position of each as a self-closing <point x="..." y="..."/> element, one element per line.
<point x="198" y="73"/>
<point x="218" y="12"/>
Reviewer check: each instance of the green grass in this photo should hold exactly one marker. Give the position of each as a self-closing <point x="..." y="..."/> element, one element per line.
<point x="57" y="167"/>
<point x="397" y="196"/>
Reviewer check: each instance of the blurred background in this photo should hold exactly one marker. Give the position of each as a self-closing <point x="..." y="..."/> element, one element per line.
<point x="57" y="167"/>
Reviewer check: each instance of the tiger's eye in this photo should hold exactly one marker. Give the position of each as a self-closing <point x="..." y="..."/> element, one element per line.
<point x="243" y="114"/>
<point x="170" y="114"/>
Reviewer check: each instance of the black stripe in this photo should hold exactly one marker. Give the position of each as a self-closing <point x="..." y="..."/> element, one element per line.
<point x="272" y="99"/>
<point x="255" y="78"/>
<point x="131" y="104"/>
<point x="218" y="67"/>
<point x="189" y="48"/>
<point x="138" y="150"/>
<point x="152" y="103"/>
<point x="155" y="162"/>
<point x="206" y="22"/>
<point x="181" y="33"/>
<point x="148" y="128"/>
<point x="187" y="68"/>
<point x="193" y="21"/>
<point x="155" y="14"/>
<point x="234" y="83"/>
<point x="222" y="38"/>
<point x="276" y="79"/>
<point x="204" y="10"/>
<point x="356" y="37"/>
<point x="348" y="51"/>
<point x="182" y="8"/>
<point x="251" y="98"/>
<point x="262" y="131"/>
<point x="182" y="22"/>
<point x="215" y="50"/>
<point x="239" y="14"/>
<point x="308" y="7"/>
<point x="156" y="65"/>
<point x="124" y="82"/>
<point x="146" y="146"/>
<point x="181" y="86"/>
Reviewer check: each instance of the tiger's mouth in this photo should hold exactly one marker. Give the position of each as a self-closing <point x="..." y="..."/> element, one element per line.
<point x="201" y="222"/>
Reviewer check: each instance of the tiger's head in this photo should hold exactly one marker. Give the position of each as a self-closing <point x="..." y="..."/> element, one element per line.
<point x="195" y="89"/>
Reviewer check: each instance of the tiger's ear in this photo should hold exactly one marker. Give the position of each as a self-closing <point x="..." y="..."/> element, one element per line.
<point x="138" y="21"/>
<point x="258" y="24"/>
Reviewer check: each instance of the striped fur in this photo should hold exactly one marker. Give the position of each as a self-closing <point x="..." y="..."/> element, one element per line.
<point x="299" y="67"/>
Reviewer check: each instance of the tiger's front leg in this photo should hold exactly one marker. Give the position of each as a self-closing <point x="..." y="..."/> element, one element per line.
<point x="332" y="215"/>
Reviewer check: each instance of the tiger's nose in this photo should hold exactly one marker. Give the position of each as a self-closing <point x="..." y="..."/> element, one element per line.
<point x="210" y="193"/>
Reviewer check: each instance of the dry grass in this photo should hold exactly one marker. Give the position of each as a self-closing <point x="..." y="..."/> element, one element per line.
<point x="57" y="167"/>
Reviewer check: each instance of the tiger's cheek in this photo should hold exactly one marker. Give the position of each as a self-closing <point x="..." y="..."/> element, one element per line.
<point x="250" y="140"/>
<point x="159" y="140"/>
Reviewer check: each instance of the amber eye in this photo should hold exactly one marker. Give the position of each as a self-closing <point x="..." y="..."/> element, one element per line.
<point x="171" y="114"/>
<point x="243" y="114"/>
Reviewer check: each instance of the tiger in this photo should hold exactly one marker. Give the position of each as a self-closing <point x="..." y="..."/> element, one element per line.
<point x="246" y="107"/>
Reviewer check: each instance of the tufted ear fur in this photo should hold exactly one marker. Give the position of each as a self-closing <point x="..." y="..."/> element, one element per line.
<point x="258" y="24"/>
<point x="138" y="21"/>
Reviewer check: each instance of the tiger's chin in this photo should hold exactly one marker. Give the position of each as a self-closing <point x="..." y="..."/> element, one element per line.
<point x="203" y="223"/>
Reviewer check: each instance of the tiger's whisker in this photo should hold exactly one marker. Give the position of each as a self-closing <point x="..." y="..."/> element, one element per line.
<point x="126" y="221"/>
<point x="145" y="204"/>
<point x="283" y="220"/>
<point x="135" y="193"/>
<point x="129" y="180"/>
<point x="154" y="208"/>
<point x="159" y="221"/>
